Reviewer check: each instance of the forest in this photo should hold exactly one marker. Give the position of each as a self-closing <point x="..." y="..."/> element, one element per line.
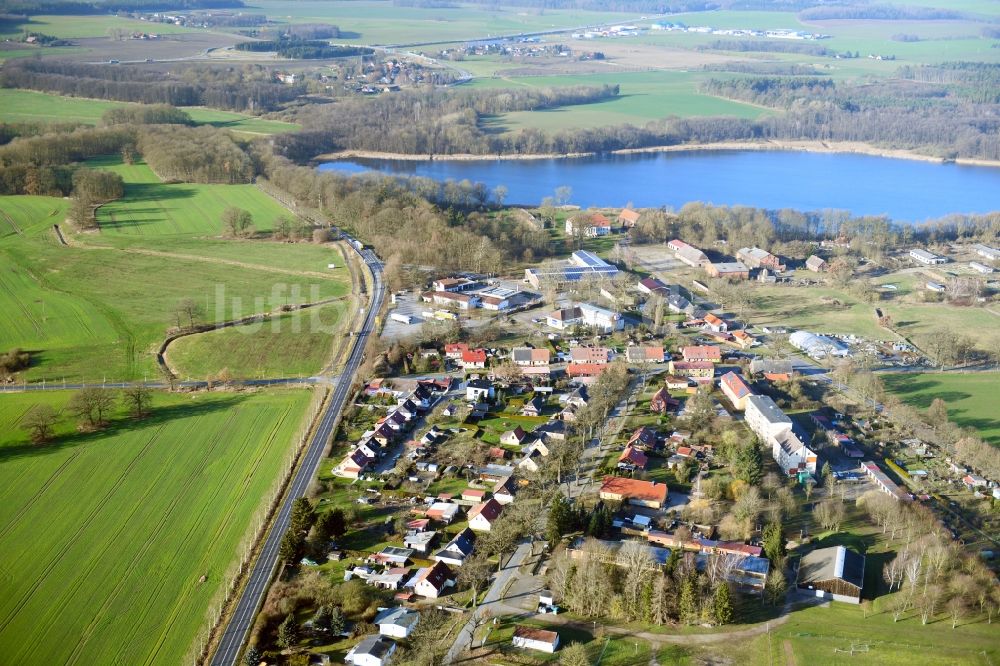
<point x="303" y="49"/>
<point x="249" y="88"/>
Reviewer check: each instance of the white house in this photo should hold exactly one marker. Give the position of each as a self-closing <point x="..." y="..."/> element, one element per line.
<point x="532" y="638"/>
<point x="479" y="390"/>
<point x="484" y="515"/>
<point x="585" y="314"/>
<point x="374" y="650"/>
<point x="397" y="622"/>
<point x="774" y="428"/>
<point x="432" y="581"/>
<point x="987" y="252"/>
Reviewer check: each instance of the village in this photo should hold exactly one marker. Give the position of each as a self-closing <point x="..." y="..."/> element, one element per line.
<point x="520" y="430"/>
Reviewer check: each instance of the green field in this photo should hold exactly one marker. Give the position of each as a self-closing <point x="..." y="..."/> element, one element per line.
<point x="80" y="27"/>
<point x="152" y="208"/>
<point x="644" y="96"/>
<point x="27" y="105"/>
<point x="89" y="312"/>
<point x="264" y="350"/>
<point x="377" y="22"/>
<point x="104" y="537"/>
<point x="971" y="397"/>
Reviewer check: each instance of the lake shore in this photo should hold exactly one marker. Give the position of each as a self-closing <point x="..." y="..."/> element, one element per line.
<point x="858" y="148"/>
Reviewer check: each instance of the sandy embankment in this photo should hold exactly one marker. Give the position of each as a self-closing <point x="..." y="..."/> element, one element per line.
<point x="807" y="146"/>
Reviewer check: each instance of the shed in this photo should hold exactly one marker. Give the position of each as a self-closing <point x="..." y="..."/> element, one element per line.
<point x="833" y="572"/>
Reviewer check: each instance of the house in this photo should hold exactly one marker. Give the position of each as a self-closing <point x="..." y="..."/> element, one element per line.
<point x="374" y="650"/>
<point x="493" y="302"/>
<point x="589" y="355"/>
<point x="396" y="622"/>
<point x="532" y="638"/>
<point x="433" y="580"/>
<point x="443" y="512"/>
<point x="759" y="366"/>
<point x="765" y="418"/>
<point x="927" y="258"/>
<point x="754" y="257"/>
<point x="534" y="406"/>
<point x="478" y="390"/>
<point x="390" y="579"/>
<point x="458" y="549"/>
<point x="835" y="572"/>
<point x="632" y="458"/>
<point x="936" y="286"/>
<point x="743" y="340"/>
<point x="816" y="264"/>
<point x="473" y="359"/>
<point x="628" y="218"/>
<point x="675" y="383"/>
<point x="688" y="254"/>
<point x="455" y="350"/>
<point x="392" y="555"/>
<point x="526" y="357"/>
<point x="643" y="438"/>
<point x="662" y="402"/>
<point x="483" y="516"/>
<point x="731" y="270"/>
<point x="735" y="389"/>
<point x="715" y="324"/>
<point x="551" y="429"/>
<point x="492" y="473"/>
<point x="454" y="284"/>
<point x="473" y="495"/>
<point x="353" y="465"/>
<point x="503" y="491"/>
<point x="702" y="353"/>
<point x="456" y="299"/>
<point x="585" y="372"/>
<point x="649" y="494"/>
<point x="774" y="428"/>
<point x="642" y="354"/>
<point x="585" y="314"/>
<point x="531" y="462"/>
<point x="651" y="285"/>
<point x="497" y="453"/>
<point x="582" y="265"/>
<point x="698" y="370"/>
<point x="973" y="481"/>
<point x="514" y="437"/>
<point x="591" y="224"/>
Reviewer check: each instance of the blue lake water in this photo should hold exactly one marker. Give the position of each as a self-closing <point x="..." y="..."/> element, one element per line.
<point x="905" y="190"/>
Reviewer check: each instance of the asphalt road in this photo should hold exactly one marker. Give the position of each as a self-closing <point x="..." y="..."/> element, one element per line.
<point x="262" y="570"/>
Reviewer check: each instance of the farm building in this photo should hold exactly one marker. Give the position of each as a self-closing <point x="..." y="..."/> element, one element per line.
<point x="535" y="639"/>
<point x="833" y="572"/>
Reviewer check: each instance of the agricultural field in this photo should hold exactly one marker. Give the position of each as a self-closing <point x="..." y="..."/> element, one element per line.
<point x="143" y="522"/>
<point x="644" y="96"/>
<point x="381" y="22"/>
<point x="27" y="105"/>
<point x="971" y="397"/>
<point x="265" y="349"/>
<point x="81" y="27"/>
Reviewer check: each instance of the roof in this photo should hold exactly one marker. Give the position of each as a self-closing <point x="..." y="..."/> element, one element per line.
<point x="700" y="352"/>
<point x="693" y="365"/>
<point x="586" y="369"/>
<point x="527" y="354"/>
<point x="564" y="314"/>
<point x="768" y="408"/>
<point x="712" y="319"/>
<point x="533" y="634"/>
<point x="628" y="215"/>
<point x="640" y="353"/>
<point x="473" y="492"/>
<point x="586" y="259"/>
<point x="834" y="563"/>
<point x="403" y="617"/>
<point x="648" y="491"/>
<point x="736" y="385"/>
<point x="474" y="356"/>
<point x="590" y="354"/>
<point x="634" y="456"/>
<point x="730" y="267"/>
<point x="437" y="575"/>
<point x="375" y="645"/>
<point x="490" y="510"/>
<point x="643" y="434"/>
<point x="455" y="348"/>
<point x="452" y="296"/>
<point x="654" y="284"/>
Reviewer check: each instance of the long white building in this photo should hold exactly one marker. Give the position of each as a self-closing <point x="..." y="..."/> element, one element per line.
<point x="774" y="428"/>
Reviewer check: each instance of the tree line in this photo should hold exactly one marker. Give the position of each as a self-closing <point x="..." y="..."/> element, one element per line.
<point x="146" y="114"/>
<point x="305" y="49"/>
<point x="194" y="154"/>
<point x="237" y="89"/>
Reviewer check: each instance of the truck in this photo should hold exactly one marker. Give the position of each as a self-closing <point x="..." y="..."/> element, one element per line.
<point x="401" y="318"/>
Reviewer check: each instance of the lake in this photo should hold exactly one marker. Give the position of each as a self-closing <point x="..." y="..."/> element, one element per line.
<point x="905" y="190"/>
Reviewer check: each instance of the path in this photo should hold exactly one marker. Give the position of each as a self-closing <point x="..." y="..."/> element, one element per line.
<point x="493" y="598"/>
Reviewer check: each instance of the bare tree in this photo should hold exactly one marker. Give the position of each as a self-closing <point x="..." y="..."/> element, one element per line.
<point x="92" y="404"/>
<point x="39" y="421"/>
<point x="137" y="399"/>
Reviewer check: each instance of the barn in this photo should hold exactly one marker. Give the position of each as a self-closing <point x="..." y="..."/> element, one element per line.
<point x="834" y="572"/>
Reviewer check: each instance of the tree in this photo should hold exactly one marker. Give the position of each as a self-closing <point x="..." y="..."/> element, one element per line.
<point x="331" y="524"/>
<point x="775" y="587"/>
<point x="688" y="604"/>
<point x="337" y="621"/>
<point x="288" y="632"/>
<point x="92" y="404"/>
<point x="253" y="656"/>
<point x="137" y="399"/>
<point x="748" y="464"/>
<point x="560" y="520"/>
<point x="827" y="474"/>
<point x="774" y="543"/>
<point x="302" y="515"/>
<point x="829" y="513"/>
<point x="937" y="413"/>
<point x="291" y="546"/>
<point x="189" y="309"/>
<point x="574" y="654"/>
<point x="722" y="604"/>
<point x="475" y="573"/>
<point x="237" y="221"/>
<point x="321" y="619"/>
<point x="39" y="422"/>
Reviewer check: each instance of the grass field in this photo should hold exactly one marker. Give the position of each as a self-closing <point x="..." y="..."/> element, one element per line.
<point x="971" y="397"/>
<point x="152" y="208"/>
<point x="79" y="27"/>
<point x="644" y="96"/>
<point x="91" y="312"/>
<point x="27" y="105"/>
<point x="104" y="537"/>
<point x="264" y="350"/>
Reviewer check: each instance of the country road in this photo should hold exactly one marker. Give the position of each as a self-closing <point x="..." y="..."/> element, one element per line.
<point x="233" y="638"/>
